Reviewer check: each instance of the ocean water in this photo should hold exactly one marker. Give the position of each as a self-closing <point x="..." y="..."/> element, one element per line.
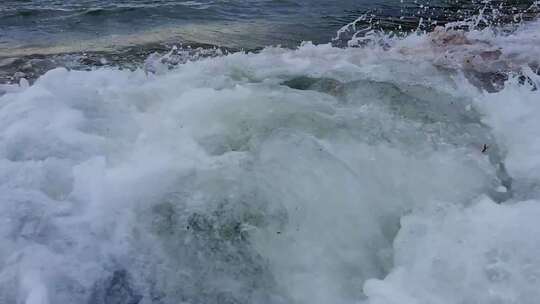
<point x="75" y="24"/>
<point x="38" y="35"/>
<point x="371" y="166"/>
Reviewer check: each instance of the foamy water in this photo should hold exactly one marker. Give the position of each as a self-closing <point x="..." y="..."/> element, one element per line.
<point x="381" y="174"/>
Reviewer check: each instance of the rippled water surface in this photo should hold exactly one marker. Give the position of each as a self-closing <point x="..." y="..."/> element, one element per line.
<point x="234" y="23"/>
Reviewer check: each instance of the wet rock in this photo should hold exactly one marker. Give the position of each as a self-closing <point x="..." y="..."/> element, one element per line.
<point x="442" y="37"/>
<point x="491" y="55"/>
<point x="489" y="81"/>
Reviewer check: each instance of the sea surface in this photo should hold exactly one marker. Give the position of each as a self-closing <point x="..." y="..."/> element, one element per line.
<point x="233" y="23"/>
<point x="269" y="152"/>
<point x="37" y="35"/>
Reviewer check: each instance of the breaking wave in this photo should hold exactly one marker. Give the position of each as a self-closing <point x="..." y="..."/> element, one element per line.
<point x="395" y="170"/>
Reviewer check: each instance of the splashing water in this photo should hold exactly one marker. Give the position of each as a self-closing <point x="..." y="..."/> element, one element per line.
<point x="387" y="173"/>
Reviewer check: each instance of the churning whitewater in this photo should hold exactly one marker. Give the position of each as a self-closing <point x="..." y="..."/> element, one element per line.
<point x="388" y="173"/>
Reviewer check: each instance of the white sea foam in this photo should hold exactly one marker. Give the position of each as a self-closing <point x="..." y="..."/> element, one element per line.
<point x="316" y="175"/>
